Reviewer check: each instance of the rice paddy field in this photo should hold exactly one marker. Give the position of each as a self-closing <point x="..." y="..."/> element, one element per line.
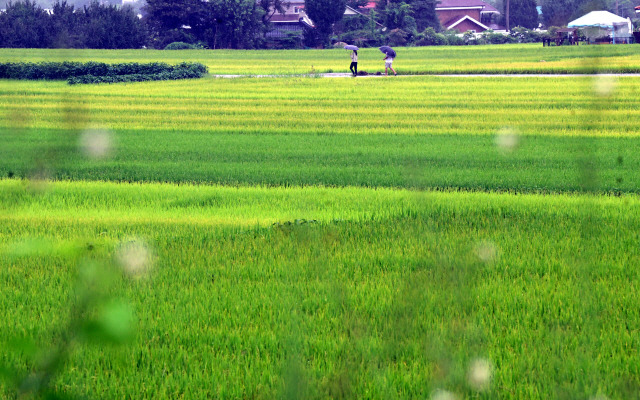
<point x="300" y="237"/>
<point x="513" y="58"/>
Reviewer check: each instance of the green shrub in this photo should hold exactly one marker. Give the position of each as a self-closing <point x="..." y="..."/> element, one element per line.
<point x="362" y="38"/>
<point x="77" y="72"/>
<point x="182" y="46"/>
<point x="524" y="35"/>
<point x="355" y="22"/>
<point x="453" y="39"/>
<point x="470" y="38"/>
<point x="398" y="37"/>
<point x="181" y="71"/>
<point x="429" y="37"/>
<point x="497" y="38"/>
<point x="292" y="40"/>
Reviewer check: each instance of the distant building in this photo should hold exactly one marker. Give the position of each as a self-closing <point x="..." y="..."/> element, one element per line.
<point x="366" y="10"/>
<point x="295" y="20"/>
<point x="291" y="23"/>
<point x="467" y="15"/>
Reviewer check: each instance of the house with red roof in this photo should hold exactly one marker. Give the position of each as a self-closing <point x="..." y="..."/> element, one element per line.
<point x="460" y="15"/>
<point x="366" y="9"/>
<point x="467" y="15"/>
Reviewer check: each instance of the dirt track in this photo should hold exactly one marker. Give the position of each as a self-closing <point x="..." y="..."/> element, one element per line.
<point x="348" y="75"/>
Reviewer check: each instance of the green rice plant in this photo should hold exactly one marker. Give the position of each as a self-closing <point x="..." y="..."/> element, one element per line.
<point x="522" y="134"/>
<point x="94" y="317"/>
<point x="512" y="58"/>
<point x="391" y="293"/>
<point x="307" y="275"/>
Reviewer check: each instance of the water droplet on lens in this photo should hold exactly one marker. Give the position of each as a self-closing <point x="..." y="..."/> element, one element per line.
<point x="479" y="375"/>
<point x="96" y="143"/>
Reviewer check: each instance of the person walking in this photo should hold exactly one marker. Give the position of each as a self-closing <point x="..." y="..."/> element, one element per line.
<point x="388" y="64"/>
<point x="354" y="63"/>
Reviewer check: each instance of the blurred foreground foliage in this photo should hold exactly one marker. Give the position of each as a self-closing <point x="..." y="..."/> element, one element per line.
<point x="335" y="292"/>
<point x="92" y="313"/>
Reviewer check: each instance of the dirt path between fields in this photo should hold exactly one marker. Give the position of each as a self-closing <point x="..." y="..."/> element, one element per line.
<point x="348" y="75"/>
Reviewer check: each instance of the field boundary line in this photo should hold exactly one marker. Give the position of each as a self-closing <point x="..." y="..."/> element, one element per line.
<point x="348" y="75"/>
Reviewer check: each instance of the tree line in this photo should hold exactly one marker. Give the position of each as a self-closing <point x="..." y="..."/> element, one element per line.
<point x="25" y="24"/>
<point x="103" y="25"/>
<point x="245" y="24"/>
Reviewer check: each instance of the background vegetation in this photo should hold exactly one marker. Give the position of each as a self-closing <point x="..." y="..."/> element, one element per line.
<point x="238" y="24"/>
<point x="507" y="59"/>
<point x="25" y="24"/>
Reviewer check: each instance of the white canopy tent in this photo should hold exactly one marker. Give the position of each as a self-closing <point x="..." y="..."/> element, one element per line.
<point x="602" y="23"/>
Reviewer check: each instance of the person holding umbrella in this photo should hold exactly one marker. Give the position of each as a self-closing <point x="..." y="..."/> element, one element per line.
<point x="388" y="64"/>
<point x="389" y="55"/>
<point x="354" y="59"/>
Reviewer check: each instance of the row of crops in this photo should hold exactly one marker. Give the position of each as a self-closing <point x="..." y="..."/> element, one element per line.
<point x="418" y="237"/>
<point x="540" y="106"/>
<point x="524" y="134"/>
<point x="380" y="292"/>
<point x="520" y="58"/>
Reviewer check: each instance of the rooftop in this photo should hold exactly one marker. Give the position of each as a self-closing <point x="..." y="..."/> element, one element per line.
<point x="486" y="7"/>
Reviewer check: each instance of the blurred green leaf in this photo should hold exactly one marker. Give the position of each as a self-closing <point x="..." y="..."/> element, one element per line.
<point x="94" y="280"/>
<point x="30" y="247"/>
<point x="113" y="324"/>
<point x="7" y="373"/>
<point x="23" y="345"/>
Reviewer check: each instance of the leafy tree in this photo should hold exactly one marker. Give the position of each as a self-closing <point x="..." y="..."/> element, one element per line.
<point x="325" y="13"/>
<point x="77" y="4"/>
<point x="25" y="25"/>
<point x="102" y="26"/>
<point x="397" y="37"/>
<point x="522" y="13"/>
<point x="270" y="7"/>
<point x="237" y="23"/>
<point x="355" y="22"/>
<point x="399" y="16"/>
<point x="219" y="23"/>
<point x="65" y="26"/>
<point x="111" y="27"/>
<point x="424" y="12"/>
<point x="357" y="3"/>
<point x="429" y="37"/>
<point x="561" y="12"/>
<point x="167" y="15"/>
<point x="409" y="15"/>
<point x="624" y="8"/>
<point x="558" y="12"/>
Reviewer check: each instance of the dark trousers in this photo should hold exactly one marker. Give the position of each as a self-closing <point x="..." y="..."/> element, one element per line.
<point x="354" y="68"/>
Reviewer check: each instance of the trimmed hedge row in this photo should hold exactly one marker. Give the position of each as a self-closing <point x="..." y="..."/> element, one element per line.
<point x="93" y="72"/>
<point x="191" y="72"/>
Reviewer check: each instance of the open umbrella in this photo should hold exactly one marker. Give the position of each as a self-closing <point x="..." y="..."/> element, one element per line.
<point x="351" y="47"/>
<point x="388" y="51"/>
